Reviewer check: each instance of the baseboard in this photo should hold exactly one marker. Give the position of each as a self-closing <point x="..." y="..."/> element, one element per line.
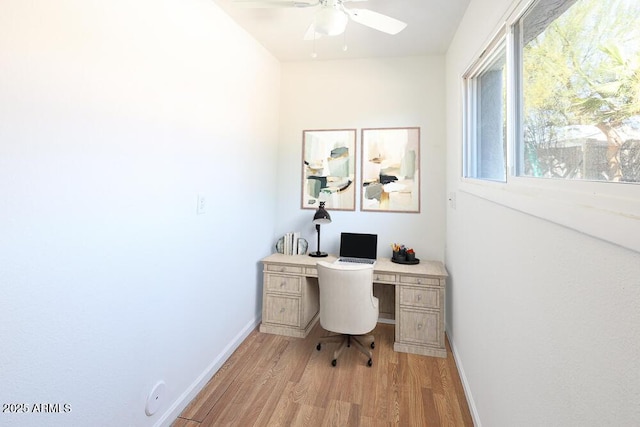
<point x="465" y="383"/>
<point x="192" y="391"/>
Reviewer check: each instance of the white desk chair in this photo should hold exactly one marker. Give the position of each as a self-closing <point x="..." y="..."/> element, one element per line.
<point x="348" y="308"/>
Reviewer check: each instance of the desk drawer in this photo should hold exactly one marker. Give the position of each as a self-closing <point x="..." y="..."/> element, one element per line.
<point x="420" y="297"/>
<point x="384" y="278"/>
<point x="414" y="280"/>
<point x="419" y="327"/>
<point x="281" y="283"/>
<point x="279" y="268"/>
<point x="282" y="310"/>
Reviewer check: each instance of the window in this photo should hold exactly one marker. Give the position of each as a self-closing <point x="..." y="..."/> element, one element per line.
<point x="486" y="117"/>
<point x="552" y="116"/>
<point x="580" y="98"/>
<point x="576" y="68"/>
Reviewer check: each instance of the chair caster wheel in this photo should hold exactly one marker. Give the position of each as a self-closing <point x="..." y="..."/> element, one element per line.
<point x="370" y="362"/>
<point x="333" y="362"/>
<point x="373" y="345"/>
<point x="319" y="346"/>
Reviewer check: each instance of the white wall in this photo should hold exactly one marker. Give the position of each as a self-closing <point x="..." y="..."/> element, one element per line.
<point x="544" y="319"/>
<point x="114" y="115"/>
<point x="363" y="94"/>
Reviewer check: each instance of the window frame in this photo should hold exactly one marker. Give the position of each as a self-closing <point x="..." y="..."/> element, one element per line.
<point x="470" y="106"/>
<point x="609" y="211"/>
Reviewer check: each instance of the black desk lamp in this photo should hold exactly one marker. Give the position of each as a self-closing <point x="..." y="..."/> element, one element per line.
<point x="321" y="217"/>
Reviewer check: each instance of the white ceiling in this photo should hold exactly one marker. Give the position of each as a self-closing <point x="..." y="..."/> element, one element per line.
<point x="431" y="25"/>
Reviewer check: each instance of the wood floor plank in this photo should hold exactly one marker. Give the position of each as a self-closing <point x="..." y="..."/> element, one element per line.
<point x="459" y="389"/>
<point x="314" y="384"/>
<point x="375" y="400"/>
<point x="267" y="390"/>
<point x="436" y="380"/>
<point x="199" y="407"/>
<point x="308" y="416"/>
<point x="352" y="373"/>
<point x="279" y="381"/>
<point x="285" y="410"/>
<point x="443" y="407"/>
<point x="431" y="417"/>
<point x="181" y="422"/>
<point x="336" y="414"/>
<point x="411" y="399"/>
<point x="449" y="391"/>
<point x="395" y="385"/>
<point x="229" y="407"/>
<point x="302" y="346"/>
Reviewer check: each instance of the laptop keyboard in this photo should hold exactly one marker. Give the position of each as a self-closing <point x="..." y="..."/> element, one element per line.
<point x="356" y="260"/>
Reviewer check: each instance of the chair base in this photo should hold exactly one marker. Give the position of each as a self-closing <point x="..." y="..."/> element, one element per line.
<point x="362" y="342"/>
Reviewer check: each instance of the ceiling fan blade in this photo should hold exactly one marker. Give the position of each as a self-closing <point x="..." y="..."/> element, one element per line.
<point x="276" y="3"/>
<point x="376" y="20"/>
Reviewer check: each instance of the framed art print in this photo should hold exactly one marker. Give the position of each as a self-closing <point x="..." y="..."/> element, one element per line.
<point x="328" y="169"/>
<point x="391" y="170"/>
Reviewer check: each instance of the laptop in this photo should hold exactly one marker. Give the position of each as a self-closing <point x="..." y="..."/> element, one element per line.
<point x="358" y="248"/>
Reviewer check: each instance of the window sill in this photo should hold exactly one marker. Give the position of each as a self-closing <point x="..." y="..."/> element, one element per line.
<point x="603" y="210"/>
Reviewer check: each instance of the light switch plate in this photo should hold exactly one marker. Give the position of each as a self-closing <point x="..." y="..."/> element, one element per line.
<point x="452" y="199"/>
<point x="202" y="204"/>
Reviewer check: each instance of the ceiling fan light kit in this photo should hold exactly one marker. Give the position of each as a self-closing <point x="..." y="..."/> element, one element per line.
<point x="330" y="21"/>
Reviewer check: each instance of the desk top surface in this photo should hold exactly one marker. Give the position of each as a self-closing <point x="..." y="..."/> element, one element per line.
<point x="424" y="268"/>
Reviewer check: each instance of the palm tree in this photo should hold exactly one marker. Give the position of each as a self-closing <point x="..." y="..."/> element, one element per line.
<point x="577" y="72"/>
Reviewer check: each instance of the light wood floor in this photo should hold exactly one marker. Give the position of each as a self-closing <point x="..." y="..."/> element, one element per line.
<point x="272" y="380"/>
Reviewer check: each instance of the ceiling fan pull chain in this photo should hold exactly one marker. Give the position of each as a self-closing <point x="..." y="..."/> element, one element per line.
<point x="314" y="54"/>
<point x="344" y="42"/>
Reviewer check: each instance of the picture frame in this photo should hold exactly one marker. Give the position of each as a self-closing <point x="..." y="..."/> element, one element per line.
<point x="390" y="172"/>
<point x="328" y="169"/>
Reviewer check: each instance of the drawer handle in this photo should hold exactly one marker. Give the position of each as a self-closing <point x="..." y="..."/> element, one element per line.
<point x="419" y="326"/>
<point x="282" y="284"/>
<point x="282" y="310"/>
<point x="419" y="297"/>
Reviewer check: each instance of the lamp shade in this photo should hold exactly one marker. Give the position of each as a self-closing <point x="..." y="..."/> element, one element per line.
<point x="321" y="216"/>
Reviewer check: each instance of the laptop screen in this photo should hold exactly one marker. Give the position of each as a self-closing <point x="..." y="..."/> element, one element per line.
<point x="358" y="245"/>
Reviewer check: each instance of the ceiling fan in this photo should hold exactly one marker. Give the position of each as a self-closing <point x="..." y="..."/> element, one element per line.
<point x="332" y="17"/>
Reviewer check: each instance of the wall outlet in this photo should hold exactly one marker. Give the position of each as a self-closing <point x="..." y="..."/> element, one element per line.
<point x="202" y="204"/>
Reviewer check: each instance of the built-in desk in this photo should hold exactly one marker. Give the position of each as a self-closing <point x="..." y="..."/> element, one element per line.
<point x="290" y="300"/>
